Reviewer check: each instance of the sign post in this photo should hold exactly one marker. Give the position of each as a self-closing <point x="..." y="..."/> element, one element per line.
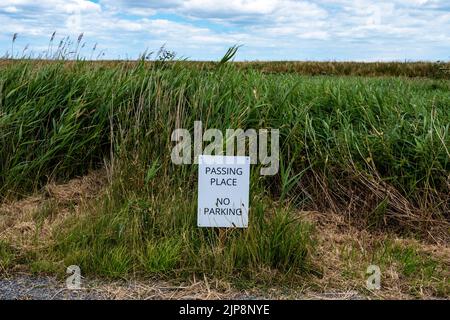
<point x="223" y="191"/>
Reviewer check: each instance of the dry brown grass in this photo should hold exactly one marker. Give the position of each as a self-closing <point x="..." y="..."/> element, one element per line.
<point x="419" y="69"/>
<point x="343" y="253"/>
<point x="204" y="289"/>
<point x="37" y="216"/>
<point x="351" y="68"/>
<point x="368" y="202"/>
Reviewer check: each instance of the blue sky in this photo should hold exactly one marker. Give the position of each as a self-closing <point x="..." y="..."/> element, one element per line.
<point x="364" y="30"/>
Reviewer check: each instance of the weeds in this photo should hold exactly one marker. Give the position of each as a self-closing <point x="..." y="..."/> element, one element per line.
<point x="8" y="257"/>
<point x="156" y="234"/>
<point x="375" y="150"/>
<point x="420" y="271"/>
<point x="347" y="144"/>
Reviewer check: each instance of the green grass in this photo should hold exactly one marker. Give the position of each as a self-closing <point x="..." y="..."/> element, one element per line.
<point x="156" y="233"/>
<point x="344" y="134"/>
<point x="436" y="70"/>
<point x="374" y="149"/>
<point x="8" y="256"/>
<point x="419" y="270"/>
<point x="405" y="268"/>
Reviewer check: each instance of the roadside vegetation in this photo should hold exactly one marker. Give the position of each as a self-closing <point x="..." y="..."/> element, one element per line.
<point x="372" y="150"/>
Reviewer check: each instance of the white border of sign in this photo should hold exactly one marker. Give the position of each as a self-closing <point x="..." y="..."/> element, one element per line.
<point x="224" y="206"/>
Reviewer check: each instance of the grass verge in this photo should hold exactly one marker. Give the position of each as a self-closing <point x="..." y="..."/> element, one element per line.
<point x="375" y="151"/>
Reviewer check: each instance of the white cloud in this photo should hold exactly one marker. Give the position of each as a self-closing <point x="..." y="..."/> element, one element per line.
<point x="297" y="28"/>
<point x="10" y="9"/>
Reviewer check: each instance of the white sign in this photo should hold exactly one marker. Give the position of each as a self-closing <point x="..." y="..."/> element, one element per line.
<point x="223" y="191"/>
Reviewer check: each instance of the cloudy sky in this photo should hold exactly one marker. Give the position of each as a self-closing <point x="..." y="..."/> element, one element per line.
<point x="364" y="30"/>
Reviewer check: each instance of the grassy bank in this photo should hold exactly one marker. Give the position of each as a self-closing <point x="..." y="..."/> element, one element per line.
<point x="374" y="150"/>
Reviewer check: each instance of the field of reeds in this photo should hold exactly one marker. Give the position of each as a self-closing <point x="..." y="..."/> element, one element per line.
<point x="371" y="147"/>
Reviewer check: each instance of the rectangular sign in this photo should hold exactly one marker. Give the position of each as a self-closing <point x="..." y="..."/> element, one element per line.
<point x="223" y="191"/>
